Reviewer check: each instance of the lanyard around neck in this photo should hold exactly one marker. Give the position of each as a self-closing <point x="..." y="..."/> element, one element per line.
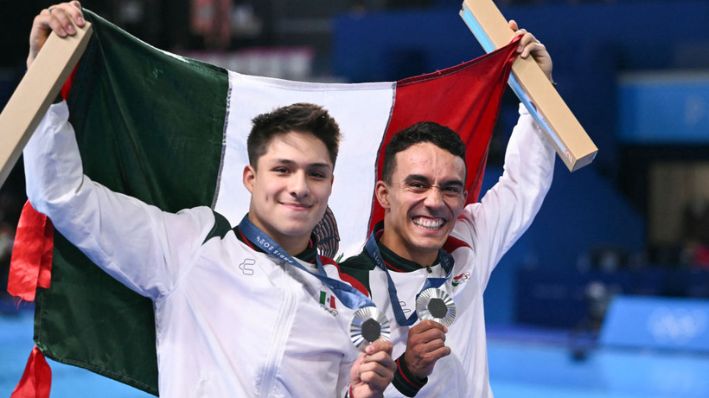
<point x="349" y="296"/>
<point x="372" y="249"/>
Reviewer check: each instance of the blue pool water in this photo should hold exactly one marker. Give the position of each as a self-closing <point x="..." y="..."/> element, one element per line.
<point x="520" y="367"/>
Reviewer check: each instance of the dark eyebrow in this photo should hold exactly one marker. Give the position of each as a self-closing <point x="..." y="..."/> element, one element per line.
<point x="285" y="162"/>
<point x="326" y="166"/>
<point x="419" y="178"/>
<point x="453" y="183"/>
<point x="416" y="178"/>
<point x="288" y="162"/>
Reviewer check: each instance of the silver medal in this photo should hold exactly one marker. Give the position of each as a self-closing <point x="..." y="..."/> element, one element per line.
<point x="437" y="305"/>
<point x="367" y="326"/>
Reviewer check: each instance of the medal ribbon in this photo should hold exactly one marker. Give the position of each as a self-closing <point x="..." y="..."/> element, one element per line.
<point x="349" y="296"/>
<point x="373" y="252"/>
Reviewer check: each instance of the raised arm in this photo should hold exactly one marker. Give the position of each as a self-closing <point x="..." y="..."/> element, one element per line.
<point x="144" y="248"/>
<point x="506" y="211"/>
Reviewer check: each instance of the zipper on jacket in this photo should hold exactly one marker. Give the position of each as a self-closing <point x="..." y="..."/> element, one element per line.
<point x="283" y="325"/>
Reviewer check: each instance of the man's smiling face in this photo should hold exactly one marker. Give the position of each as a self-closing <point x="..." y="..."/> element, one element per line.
<point x="290" y="187"/>
<point x="425" y="196"/>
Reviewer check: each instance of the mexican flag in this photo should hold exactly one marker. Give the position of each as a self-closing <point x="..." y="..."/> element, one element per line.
<point x="172" y="131"/>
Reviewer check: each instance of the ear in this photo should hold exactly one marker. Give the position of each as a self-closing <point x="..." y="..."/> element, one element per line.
<point x="381" y="189"/>
<point x="248" y="177"/>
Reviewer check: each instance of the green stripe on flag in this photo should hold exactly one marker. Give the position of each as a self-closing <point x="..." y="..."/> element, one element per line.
<point x="150" y="125"/>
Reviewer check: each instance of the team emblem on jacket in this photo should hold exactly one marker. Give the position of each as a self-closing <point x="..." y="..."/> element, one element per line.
<point x="246" y="266"/>
<point x="329" y="302"/>
<point x="460" y="278"/>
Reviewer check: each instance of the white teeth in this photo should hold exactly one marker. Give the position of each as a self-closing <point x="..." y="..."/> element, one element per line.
<point x="430" y="223"/>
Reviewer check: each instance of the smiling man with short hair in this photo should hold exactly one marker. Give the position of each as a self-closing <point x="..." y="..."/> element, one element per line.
<point x="237" y="310"/>
<point x="431" y="239"/>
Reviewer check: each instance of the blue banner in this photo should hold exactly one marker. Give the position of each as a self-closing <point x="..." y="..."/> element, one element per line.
<point x="654" y="322"/>
<point x="664" y="108"/>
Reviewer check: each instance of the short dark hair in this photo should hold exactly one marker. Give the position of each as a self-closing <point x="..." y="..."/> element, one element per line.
<point x="436" y="134"/>
<point x="300" y="117"/>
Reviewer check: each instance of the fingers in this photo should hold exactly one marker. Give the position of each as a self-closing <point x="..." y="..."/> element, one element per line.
<point x="375" y="381"/>
<point x="59" y="18"/>
<point x="424" y="352"/>
<point x="530" y="45"/>
<point x="526" y="43"/>
<point x="76" y="13"/>
<point x="60" y="22"/>
<point x="379" y="345"/>
<point x="428" y="325"/>
<point x="377" y="370"/>
<point x="354" y="370"/>
<point x="425" y="345"/>
<point x="38" y="34"/>
<point x="41" y="22"/>
<point x="426" y="331"/>
<point x="376" y="367"/>
<point x="379" y="358"/>
<point x="63" y="17"/>
<point x="438" y="353"/>
<point x="379" y="361"/>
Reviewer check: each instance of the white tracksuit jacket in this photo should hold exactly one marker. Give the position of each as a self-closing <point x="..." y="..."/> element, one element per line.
<point x="229" y="321"/>
<point x="484" y="232"/>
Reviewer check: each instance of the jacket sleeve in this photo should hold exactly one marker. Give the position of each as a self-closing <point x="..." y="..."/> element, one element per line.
<point x="146" y="249"/>
<point x="405" y="382"/>
<point x="505" y="212"/>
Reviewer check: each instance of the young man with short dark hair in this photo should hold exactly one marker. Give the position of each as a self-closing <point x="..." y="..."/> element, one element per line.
<point x="237" y="310"/>
<point x="430" y="238"/>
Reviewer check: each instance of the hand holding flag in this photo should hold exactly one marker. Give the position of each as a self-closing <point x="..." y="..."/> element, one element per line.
<point x="529" y="45"/>
<point x="59" y="18"/>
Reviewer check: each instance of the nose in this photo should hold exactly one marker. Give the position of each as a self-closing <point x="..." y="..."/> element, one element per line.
<point x="298" y="185"/>
<point x="434" y="198"/>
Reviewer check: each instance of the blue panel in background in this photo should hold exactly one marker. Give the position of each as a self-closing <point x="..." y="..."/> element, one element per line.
<point x="653" y="322"/>
<point x="664" y="108"/>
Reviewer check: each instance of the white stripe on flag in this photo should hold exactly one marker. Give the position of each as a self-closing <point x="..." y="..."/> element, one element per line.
<point x="362" y="111"/>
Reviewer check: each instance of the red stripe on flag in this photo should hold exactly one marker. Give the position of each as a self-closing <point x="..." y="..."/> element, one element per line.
<point x="66" y="88"/>
<point x="31" y="262"/>
<point x="465" y="98"/>
<point x="345" y="276"/>
<point x="36" y="380"/>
